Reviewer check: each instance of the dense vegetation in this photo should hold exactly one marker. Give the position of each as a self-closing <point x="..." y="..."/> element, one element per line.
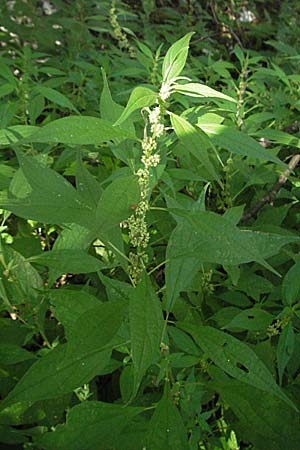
<point x="150" y="266"/>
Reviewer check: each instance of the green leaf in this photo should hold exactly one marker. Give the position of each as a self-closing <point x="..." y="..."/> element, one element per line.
<point x="175" y="59"/>
<point x="91" y="425"/>
<point x="210" y="237"/>
<point x="56" y="97"/>
<point x="262" y="419"/>
<point x="146" y="323"/>
<point x="6" y="89"/>
<point x="194" y="142"/>
<point x="70" y="365"/>
<point x="166" y="429"/>
<point x="79" y="130"/>
<point x="201" y="90"/>
<point x="285" y="349"/>
<point x="236" y="141"/>
<point x="13" y="354"/>
<point x="140" y="97"/>
<point x="115" y="202"/>
<point x="69" y="261"/>
<point x="86" y="184"/>
<point x="13" y="134"/>
<point x="253" y="319"/>
<point x="52" y="198"/>
<point x="235" y="358"/>
<point x="291" y="285"/>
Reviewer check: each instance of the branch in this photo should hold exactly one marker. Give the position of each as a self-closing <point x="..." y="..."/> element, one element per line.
<point x="270" y="197"/>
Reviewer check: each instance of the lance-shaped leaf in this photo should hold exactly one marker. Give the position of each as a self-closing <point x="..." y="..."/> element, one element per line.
<point x="194" y="142"/>
<point x="201" y="90"/>
<point x="91" y="425"/>
<point x="236" y="358"/>
<point x="209" y="237"/>
<point x="166" y="428"/>
<point x="175" y="58"/>
<point x="236" y="141"/>
<point x="80" y="130"/>
<point x="13" y="134"/>
<point x="55" y="97"/>
<point x="291" y="285"/>
<point x="146" y="323"/>
<point x="70" y="365"/>
<point x="285" y="349"/>
<point x="139" y="98"/>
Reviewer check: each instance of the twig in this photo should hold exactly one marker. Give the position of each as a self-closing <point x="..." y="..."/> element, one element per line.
<point x="270" y="197"/>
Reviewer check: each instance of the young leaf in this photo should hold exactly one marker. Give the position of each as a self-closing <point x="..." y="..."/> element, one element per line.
<point x="235" y="358"/>
<point x="139" y="98"/>
<point x="166" y="429"/>
<point x="201" y="90"/>
<point x="79" y="130"/>
<point x="70" y="365"/>
<point x="285" y="349"/>
<point x="91" y="425"/>
<point x="146" y="323"/>
<point x="175" y="59"/>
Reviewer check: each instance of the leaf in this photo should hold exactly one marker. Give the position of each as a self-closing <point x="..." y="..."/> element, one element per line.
<point x="175" y="59"/>
<point x="291" y="285"/>
<point x="146" y="324"/>
<point x="201" y="90"/>
<point x="69" y="304"/>
<point x="262" y="419"/>
<point x="114" y="204"/>
<point x="6" y="89"/>
<point x="70" y="365"/>
<point x="13" y="134"/>
<point x="140" y="97"/>
<point x="166" y="429"/>
<point x="13" y="354"/>
<point x="56" y="97"/>
<point x="235" y="358"/>
<point x="69" y="261"/>
<point x="253" y="319"/>
<point x="86" y="184"/>
<point x="91" y="425"/>
<point x="236" y="141"/>
<point x="194" y="142"/>
<point x="210" y="237"/>
<point x="285" y="349"/>
<point x="52" y="198"/>
<point x="79" y="130"/>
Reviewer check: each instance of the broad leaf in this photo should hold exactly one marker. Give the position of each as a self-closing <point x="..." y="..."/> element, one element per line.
<point x="70" y="365"/>
<point x="52" y="198"/>
<point x="291" y="285"/>
<point x="80" y="130"/>
<point x="91" y="425"/>
<point x="209" y="237"/>
<point x="235" y="358"/>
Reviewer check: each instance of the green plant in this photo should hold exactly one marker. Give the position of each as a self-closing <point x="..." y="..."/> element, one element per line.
<point x="149" y="252"/>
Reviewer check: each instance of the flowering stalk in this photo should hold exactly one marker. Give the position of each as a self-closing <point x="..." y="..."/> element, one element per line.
<point x="138" y="228"/>
<point x="118" y="32"/>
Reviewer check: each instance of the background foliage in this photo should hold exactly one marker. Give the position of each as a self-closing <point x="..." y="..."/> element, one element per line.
<point x="157" y="309"/>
